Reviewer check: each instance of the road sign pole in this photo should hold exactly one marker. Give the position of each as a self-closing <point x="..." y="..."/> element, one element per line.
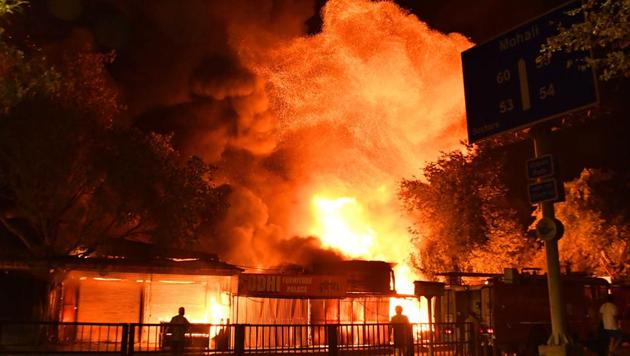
<point x="558" y="341"/>
<point x="506" y="88"/>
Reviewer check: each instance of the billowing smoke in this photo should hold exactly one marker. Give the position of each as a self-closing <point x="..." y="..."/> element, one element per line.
<point x="301" y="126"/>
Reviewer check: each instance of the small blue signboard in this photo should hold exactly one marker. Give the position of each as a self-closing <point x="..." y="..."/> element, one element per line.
<point x="544" y="191"/>
<point x="507" y="89"/>
<point x="540" y="167"/>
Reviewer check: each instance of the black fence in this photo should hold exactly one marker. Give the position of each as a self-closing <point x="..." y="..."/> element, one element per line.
<point x="236" y="339"/>
<point x="59" y="337"/>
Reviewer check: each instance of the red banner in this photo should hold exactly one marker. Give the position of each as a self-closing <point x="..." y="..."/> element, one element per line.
<point x="291" y="286"/>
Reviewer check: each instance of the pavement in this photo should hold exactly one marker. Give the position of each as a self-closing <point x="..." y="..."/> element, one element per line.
<point x="623" y="350"/>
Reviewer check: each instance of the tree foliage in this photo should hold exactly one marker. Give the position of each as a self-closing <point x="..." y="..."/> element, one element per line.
<point x="597" y="224"/>
<point x="71" y="184"/>
<point x="72" y="174"/>
<point x="157" y="195"/>
<point x="463" y="220"/>
<point x="605" y="32"/>
<point x="21" y="77"/>
<point x="8" y="7"/>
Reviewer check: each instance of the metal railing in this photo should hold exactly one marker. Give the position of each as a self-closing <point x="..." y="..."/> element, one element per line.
<point x="198" y="338"/>
<point x="236" y="339"/>
<point x="62" y="337"/>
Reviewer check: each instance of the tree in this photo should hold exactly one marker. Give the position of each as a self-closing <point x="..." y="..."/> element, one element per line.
<point x="605" y="32"/>
<point x="153" y="192"/>
<point x="21" y="75"/>
<point x="462" y="215"/>
<point x="72" y="182"/>
<point x="44" y="166"/>
<point x="51" y="120"/>
<point x="444" y="205"/>
<point x="597" y="224"/>
<point x="506" y="245"/>
<point x="73" y="175"/>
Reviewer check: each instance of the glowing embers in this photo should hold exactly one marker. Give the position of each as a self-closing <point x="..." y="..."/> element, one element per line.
<point x="341" y="224"/>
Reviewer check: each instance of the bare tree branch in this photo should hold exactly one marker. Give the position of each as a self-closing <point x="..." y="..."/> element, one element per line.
<point x="17" y="233"/>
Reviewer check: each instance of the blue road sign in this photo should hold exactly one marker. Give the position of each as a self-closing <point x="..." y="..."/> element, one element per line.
<point x="540" y="167"/>
<point x="544" y="191"/>
<point x="505" y="89"/>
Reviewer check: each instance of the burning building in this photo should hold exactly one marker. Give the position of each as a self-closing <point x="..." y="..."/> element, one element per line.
<point x="145" y="294"/>
<point x="311" y="133"/>
<point x="144" y="285"/>
<point x="345" y="292"/>
<point x="214" y="292"/>
<point x="92" y="296"/>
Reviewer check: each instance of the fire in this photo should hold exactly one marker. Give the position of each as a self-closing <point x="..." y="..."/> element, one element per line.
<point x="413" y="308"/>
<point x="343" y="223"/>
<point x="359" y="106"/>
<point x="216" y="313"/>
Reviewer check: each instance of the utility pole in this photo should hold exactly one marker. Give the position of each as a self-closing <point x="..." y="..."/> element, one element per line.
<point x="558" y="343"/>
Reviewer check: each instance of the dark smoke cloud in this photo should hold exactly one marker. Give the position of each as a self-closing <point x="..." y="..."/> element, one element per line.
<point x="200" y="127"/>
<point x="220" y="77"/>
<point x="247" y="236"/>
<point x="170" y="43"/>
<point x="184" y="75"/>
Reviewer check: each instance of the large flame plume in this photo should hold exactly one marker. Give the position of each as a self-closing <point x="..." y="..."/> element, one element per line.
<point x="362" y="104"/>
<point x="311" y="133"/>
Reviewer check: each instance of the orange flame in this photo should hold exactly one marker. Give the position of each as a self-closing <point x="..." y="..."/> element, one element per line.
<point x="344" y="224"/>
<point x="341" y="225"/>
<point x="361" y="105"/>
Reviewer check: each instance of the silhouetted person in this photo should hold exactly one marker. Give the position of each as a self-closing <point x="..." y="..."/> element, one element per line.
<point x="473" y="330"/>
<point x="179" y="327"/>
<point x="610" y="319"/>
<point x="222" y="338"/>
<point x="475" y="323"/>
<point x="401" y="329"/>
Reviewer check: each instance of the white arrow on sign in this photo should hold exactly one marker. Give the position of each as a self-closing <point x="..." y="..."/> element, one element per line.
<point x="524" y="84"/>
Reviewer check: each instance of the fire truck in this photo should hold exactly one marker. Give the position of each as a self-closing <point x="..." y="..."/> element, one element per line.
<point x="512" y="309"/>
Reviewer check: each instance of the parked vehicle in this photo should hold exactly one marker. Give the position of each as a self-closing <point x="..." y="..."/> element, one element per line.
<point x="513" y="309"/>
